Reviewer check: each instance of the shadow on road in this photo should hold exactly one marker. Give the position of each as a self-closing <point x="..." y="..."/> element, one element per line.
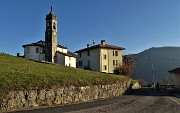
<point x="146" y="91"/>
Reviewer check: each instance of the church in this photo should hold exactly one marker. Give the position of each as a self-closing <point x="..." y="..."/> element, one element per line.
<point x="49" y="50"/>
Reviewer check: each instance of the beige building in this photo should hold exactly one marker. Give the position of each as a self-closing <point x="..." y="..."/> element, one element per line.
<point x="176" y="76"/>
<point x="49" y="50"/>
<point x="101" y="57"/>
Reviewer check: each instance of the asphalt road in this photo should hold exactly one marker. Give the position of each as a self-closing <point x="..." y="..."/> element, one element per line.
<point x="145" y="100"/>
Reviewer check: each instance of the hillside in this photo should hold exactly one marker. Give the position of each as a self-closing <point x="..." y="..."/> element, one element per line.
<point x="19" y="73"/>
<point x="156" y="61"/>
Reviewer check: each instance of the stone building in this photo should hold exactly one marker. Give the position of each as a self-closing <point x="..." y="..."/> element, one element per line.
<point x="49" y="50"/>
<point x="102" y="57"/>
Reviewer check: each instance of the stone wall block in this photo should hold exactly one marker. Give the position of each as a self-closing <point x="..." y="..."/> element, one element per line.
<point x="76" y="98"/>
<point x="32" y="103"/>
<point x="42" y="94"/>
<point x="95" y="96"/>
<point x="66" y="90"/>
<point x="31" y="95"/>
<point x="58" y="100"/>
<point x="69" y="99"/>
<point x="65" y="100"/>
<point x="60" y="91"/>
<point x="19" y="95"/>
<point x="10" y="95"/>
<point x="50" y="95"/>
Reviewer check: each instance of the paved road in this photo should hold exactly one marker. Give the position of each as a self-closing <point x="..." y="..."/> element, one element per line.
<point x="144" y="100"/>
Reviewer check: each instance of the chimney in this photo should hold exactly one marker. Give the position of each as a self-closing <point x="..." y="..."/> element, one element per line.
<point x="88" y="45"/>
<point x="103" y="42"/>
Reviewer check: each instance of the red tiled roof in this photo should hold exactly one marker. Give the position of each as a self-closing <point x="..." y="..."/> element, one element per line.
<point x="101" y="46"/>
<point x="177" y="70"/>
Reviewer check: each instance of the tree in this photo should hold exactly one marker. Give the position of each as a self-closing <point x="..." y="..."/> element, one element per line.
<point x="124" y="69"/>
<point x="130" y="60"/>
<point x="168" y="80"/>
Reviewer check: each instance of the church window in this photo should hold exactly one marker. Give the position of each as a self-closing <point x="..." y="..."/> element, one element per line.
<point x="27" y="50"/>
<point x="54" y="26"/>
<point x="104" y="56"/>
<point x="37" y="50"/>
<point x="114" y="63"/>
<point x="116" y="53"/>
<point x="105" y="67"/>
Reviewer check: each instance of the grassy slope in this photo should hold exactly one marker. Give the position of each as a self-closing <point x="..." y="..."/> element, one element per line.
<point x="19" y="73"/>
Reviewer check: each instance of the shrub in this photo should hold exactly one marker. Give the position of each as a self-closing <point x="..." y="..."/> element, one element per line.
<point x="124" y="69"/>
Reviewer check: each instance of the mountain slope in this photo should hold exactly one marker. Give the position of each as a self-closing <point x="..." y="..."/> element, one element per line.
<point x="156" y="61"/>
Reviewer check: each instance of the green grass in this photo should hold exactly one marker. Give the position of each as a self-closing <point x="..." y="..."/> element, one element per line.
<point x="19" y="73"/>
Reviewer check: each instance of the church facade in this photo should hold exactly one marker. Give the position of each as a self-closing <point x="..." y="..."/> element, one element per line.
<point x="49" y="50"/>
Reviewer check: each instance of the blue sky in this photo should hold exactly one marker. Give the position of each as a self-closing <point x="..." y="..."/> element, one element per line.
<point x="133" y="24"/>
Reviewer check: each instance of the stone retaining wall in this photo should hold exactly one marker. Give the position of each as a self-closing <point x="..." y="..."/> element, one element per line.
<point x="17" y="100"/>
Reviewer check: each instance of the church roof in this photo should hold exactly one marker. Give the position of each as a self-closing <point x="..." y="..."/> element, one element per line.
<point x="61" y="46"/>
<point x="39" y="43"/>
<point x="107" y="46"/>
<point x="51" y="15"/>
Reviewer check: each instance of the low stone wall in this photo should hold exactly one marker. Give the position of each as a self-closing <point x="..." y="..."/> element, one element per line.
<point x="16" y="100"/>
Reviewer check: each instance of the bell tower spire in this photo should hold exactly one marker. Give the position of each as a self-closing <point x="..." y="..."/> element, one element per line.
<point x="50" y="36"/>
<point x="51" y="9"/>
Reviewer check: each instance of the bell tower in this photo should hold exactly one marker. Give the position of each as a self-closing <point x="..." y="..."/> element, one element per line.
<point x="50" y="36"/>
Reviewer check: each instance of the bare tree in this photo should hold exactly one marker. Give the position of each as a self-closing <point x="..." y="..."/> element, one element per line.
<point x="168" y="80"/>
<point x="130" y="60"/>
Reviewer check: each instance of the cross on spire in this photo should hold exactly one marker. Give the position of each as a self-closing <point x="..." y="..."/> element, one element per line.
<point x="51" y="9"/>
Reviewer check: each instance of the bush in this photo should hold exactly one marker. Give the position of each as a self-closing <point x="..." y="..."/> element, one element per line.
<point x="124" y="69"/>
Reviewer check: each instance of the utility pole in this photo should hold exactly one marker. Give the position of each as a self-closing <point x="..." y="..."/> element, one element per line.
<point x="152" y="68"/>
<point x="153" y="73"/>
